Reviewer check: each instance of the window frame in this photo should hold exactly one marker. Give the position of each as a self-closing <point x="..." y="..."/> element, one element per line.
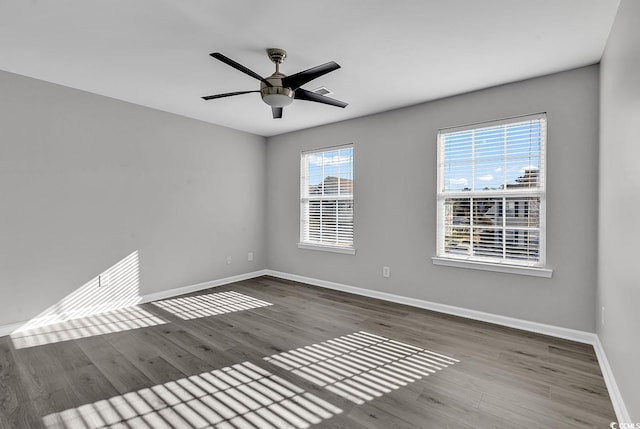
<point x="499" y="264"/>
<point x="305" y="198"/>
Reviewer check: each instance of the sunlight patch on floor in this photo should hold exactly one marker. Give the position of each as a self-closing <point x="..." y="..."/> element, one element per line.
<point x="196" y="306"/>
<point x="240" y="396"/>
<point x="361" y="366"/>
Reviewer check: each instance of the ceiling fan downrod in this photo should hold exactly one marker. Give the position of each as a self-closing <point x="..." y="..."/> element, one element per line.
<point x="276" y="95"/>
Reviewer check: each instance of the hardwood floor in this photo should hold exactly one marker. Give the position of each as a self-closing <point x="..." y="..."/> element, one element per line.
<point x="270" y="353"/>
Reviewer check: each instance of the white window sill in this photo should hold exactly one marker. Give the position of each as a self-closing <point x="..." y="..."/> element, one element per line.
<point x="487" y="266"/>
<point x="334" y="249"/>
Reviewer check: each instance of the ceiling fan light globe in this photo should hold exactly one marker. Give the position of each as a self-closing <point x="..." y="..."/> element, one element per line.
<point x="277" y="100"/>
<point x="277" y="95"/>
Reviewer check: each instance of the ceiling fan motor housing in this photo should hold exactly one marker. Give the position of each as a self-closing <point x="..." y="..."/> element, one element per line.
<point x="276" y="95"/>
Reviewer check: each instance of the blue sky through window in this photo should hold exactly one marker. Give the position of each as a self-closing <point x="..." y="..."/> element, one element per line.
<point x="332" y="163"/>
<point x="491" y="158"/>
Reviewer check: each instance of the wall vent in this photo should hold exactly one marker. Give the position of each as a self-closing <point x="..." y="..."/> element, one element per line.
<point x="322" y="91"/>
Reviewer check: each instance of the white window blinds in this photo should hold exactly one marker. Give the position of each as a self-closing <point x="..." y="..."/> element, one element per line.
<point x="491" y="191"/>
<point x="326" y="197"/>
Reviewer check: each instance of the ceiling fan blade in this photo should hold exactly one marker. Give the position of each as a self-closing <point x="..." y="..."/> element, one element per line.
<point x="303" y="94"/>
<point x="277" y="112"/>
<point x="295" y="81"/>
<point x="226" y="94"/>
<point x="228" y="61"/>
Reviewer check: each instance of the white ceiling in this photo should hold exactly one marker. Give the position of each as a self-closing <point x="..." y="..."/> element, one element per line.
<point x="393" y="53"/>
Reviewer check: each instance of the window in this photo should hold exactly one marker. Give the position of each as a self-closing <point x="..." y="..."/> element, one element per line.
<point x="326" y="199"/>
<point x="491" y="192"/>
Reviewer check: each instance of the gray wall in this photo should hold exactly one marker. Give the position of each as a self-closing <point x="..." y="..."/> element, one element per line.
<point x="395" y="207"/>
<point x="618" y="278"/>
<point x="87" y="180"/>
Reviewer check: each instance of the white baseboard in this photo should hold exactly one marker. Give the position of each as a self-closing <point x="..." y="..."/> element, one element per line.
<point x="526" y="325"/>
<point x="11" y="327"/>
<point x="60" y="315"/>
<point x="614" y="393"/>
<point x="40" y="321"/>
<point x="200" y="286"/>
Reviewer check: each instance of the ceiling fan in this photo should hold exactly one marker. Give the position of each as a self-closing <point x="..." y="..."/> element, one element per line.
<point x="279" y="90"/>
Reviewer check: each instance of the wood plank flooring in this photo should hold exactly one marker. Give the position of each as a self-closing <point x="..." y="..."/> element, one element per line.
<point x="271" y="353"/>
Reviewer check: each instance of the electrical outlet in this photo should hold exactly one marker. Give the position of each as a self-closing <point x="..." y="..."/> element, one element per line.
<point x="602" y="316"/>
<point x="104" y="280"/>
<point x="250" y="256"/>
<point x="386" y="272"/>
<point x="228" y="260"/>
